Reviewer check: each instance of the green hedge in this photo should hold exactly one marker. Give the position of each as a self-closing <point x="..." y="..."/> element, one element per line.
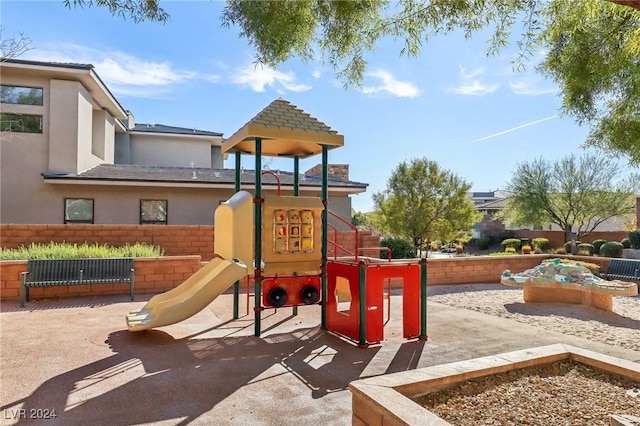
<point x="611" y="249"/>
<point x="400" y="248"/>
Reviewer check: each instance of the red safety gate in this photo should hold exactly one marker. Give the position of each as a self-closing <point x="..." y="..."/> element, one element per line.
<point x="347" y="280"/>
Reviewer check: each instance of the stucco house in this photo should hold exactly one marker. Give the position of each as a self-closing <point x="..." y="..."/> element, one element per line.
<point x="70" y="153"/>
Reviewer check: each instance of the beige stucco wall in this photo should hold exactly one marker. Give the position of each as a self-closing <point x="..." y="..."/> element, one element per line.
<point x="172" y="151"/>
<point x="121" y="204"/>
<point x="103" y="136"/>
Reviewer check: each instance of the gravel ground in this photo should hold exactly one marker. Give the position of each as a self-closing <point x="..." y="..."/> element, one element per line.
<point x="619" y="328"/>
<point x="562" y="394"/>
<point x="558" y="394"/>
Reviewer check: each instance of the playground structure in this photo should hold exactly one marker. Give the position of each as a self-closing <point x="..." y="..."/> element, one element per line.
<point x="289" y="251"/>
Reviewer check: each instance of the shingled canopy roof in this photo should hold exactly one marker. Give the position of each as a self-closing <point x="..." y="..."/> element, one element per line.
<point x="286" y="131"/>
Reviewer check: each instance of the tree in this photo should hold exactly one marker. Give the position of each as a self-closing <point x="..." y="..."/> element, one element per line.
<point x="14" y="46"/>
<point x="424" y="203"/>
<point x="593" y="45"/>
<point x="594" y="56"/>
<point x="573" y="193"/>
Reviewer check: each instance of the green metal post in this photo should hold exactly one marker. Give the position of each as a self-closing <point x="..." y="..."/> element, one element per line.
<point x="423" y="299"/>
<point x="362" y="297"/>
<point x="236" y="285"/>
<point x="296" y="192"/>
<point x="257" y="223"/>
<point x="325" y="227"/>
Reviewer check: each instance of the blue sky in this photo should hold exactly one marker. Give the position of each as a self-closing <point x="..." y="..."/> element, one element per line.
<point x="454" y="105"/>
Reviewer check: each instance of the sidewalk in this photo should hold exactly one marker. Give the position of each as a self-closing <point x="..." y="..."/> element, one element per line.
<point x="75" y="357"/>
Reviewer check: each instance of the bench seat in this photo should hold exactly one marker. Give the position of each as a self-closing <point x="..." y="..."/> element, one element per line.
<point x="68" y="272"/>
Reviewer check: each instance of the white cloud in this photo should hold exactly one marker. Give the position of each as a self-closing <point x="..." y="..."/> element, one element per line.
<point x="467" y="75"/>
<point x="259" y="77"/>
<point x="124" y="74"/>
<point x="475" y="88"/>
<point x="316" y="74"/>
<point x="389" y="84"/>
<point x="529" y="87"/>
<point x="472" y="86"/>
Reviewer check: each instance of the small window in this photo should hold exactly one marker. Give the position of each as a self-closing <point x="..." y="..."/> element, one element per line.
<point x="20" y="95"/>
<point x="78" y="210"/>
<point x="21" y="123"/>
<point x="153" y="212"/>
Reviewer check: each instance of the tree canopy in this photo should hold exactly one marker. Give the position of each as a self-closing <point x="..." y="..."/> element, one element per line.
<point x="423" y="203"/>
<point x="593" y="46"/>
<point x="575" y="193"/>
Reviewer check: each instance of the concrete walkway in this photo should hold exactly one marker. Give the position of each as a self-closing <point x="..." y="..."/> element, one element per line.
<point x="75" y="358"/>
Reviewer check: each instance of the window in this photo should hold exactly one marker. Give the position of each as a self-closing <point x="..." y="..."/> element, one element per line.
<point x="20" y="95"/>
<point x="153" y="212"/>
<point x="21" y="123"/>
<point x="78" y="210"/>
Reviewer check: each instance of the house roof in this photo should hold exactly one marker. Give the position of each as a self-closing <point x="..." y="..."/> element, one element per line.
<point x="133" y="175"/>
<point x="493" y="205"/>
<point x="285" y="130"/>
<point x="84" y="73"/>
<point x="162" y="128"/>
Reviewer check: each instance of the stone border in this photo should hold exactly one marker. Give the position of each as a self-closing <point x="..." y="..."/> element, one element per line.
<point x="385" y="400"/>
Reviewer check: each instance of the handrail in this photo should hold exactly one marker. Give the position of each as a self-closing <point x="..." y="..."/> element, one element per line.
<point x="269" y="172"/>
<point x="387" y="249"/>
<point x="350" y="225"/>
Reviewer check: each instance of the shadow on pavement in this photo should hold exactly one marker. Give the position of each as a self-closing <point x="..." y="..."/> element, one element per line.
<point x="153" y="377"/>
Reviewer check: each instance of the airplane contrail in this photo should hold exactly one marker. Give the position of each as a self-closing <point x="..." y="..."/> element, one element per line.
<point x="513" y="129"/>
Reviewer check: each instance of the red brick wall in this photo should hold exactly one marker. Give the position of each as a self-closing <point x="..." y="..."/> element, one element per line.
<point x="157" y="275"/>
<point x="176" y="240"/>
<point x="152" y="275"/>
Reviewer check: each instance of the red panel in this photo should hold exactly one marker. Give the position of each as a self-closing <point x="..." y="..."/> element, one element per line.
<point x="292" y="286"/>
<point x="345" y="323"/>
<point x="410" y="274"/>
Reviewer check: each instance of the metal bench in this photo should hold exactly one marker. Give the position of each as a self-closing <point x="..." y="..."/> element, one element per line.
<point x="63" y="272"/>
<point x="623" y="269"/>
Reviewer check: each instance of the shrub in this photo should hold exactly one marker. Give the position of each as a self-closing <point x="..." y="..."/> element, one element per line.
<point x="526" y="249"/>
<point x="510" y="250"/>
<point x="400" y="248"/>
<point x="634" y="239"/>
<point x="74" y="251"/>
<point x="513" y="243"/>
<point x="611" y="249"/>
<point x="537" y="250"/>
<point x="597" y="244"/>
<point x="540" y="243"/>
<point x="483" y="243"/>
<point x="586" y="248"/>
<point x="561" y="250"/>
<point x="567" y="246"/>
<point x="459" y="248"/>
<point x="502" y="253"/>
<point x="626" y="243"/>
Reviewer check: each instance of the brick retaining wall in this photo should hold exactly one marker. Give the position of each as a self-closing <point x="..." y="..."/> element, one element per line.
<point x="157" y="275"/>
<point x="176" y="240"/>
<point x="153" y="275"/>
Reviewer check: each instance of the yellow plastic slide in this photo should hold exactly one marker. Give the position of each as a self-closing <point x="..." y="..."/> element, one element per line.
<point x="190" y="297"/>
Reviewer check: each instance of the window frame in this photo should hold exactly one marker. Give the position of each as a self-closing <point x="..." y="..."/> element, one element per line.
<point x="4" y="114"/>
<point x="79" y="221"/>
<point x="24" y="87"/>
<point x="154" y="222"/>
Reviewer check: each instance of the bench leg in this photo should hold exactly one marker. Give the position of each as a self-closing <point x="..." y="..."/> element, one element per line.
<point x="133" y="284"/>
<point x="23" y="294"/>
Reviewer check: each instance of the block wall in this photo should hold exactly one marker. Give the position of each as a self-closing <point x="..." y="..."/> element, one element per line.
<point x="152" y="275"/>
